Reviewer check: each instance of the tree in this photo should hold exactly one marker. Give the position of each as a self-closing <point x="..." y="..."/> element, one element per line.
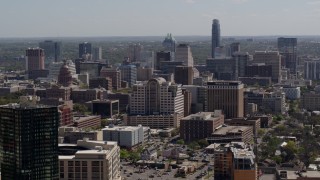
<point x="290" y="149"/>
<point x="193" y="145"/>
<point x="277" y="159"/>
<point x="203" y="143"/>
<point x="261" y="132"/>
<point x="180" y="141"/>
<point x="124" y="154"/>
<point x="80" y="108"/>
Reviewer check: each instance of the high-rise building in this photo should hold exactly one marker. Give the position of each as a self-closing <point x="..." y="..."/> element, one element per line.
<point x="65" y="76"/>
<point x="135" y="52"/>
<point x="29" y="141"/>
<point x="156" y="103"/>
<point x="241" y="59"/>
<point x="35" y="59"/>
<point x="183" y="75"/>
<point x="128" y="73"/>
<point x="114" y="74"/>
<point x="52" y="50"/>
<point x="272" y="58"/>
<point x="288" y="49"/>
<point x="227" y="96"/>
<point x="85" y="49"/>
<point x="144" y="73"/>
<point x="156" y="97"/>
<point x="215" y="38"/>
<point x="184" y="54"/>
<point x="169" y="43"/>
<point x="161" y="57"/>
<point x="97" y="53"/>
<point x="312" y="70"/>
<point x="234" y="47"/>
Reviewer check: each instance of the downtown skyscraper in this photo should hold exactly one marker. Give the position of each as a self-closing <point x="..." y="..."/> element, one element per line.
<point x="29" y="141"/>
<point x="288" y="49"/>
<point x="215" y="38"/>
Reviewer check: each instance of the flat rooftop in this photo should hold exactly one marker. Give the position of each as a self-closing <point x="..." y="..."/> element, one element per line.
<point x="230" y="129"/>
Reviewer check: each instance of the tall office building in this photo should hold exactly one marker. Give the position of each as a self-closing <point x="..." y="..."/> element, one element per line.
<point x="35" y="59"/>
<point x="162" y="56"/>
<point x="288" y="49"/>
<point x="272" y="58"/>
<point x="169" y="43"/>
<point x="157" y="96"/>
<point x="29" y="141"/>
<point x="114" y="74"/>
<point x="52" y="50"/>
<point x="156" y="104"/>
<point x="135" y="52"/>
<point x="215" y="37"/>
<point x="184" y="75"/>
<point x="234" y="47"/>
<point x="128" y="73"/>
<point x="85" y="49"/>
<point x="184" y="54"/>
<point x="241" y="61"/>
<point x="97" y="53"/>
<point x="312" y="70"/>
<point x="227" y="96"/>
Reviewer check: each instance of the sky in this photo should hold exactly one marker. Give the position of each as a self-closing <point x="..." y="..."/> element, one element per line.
<point x="73" y="18"/>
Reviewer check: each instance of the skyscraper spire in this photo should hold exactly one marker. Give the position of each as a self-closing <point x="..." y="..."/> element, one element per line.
<point x="215" y="38"/>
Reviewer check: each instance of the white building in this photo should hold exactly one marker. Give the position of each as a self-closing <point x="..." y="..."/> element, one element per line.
<point x="101" y="160"/>
<point x="155" y="97"/>
<point x="292" y="93"/>
<point x="126" y="136"/>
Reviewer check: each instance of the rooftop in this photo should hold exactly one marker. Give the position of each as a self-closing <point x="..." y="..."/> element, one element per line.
<point x="230" y="129"/>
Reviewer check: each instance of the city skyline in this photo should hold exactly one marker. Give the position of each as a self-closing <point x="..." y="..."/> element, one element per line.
<point x="155" y="18"/>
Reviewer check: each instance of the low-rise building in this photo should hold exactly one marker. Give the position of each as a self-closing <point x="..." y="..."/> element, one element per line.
<point x="87" y="121"/>
<point x="232" y="134"/>
<point x="126" y="136"/>
<point x="234" y="161"/>
<point x="89" y="160"/>
<point x="72" y="135"/>
<point x="254" y="122"/>
<point x="200" y="125"/>
<point x="105" y="108"/>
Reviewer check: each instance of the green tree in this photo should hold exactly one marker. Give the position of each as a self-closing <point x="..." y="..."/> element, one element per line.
<point x="180" y="141"/>
<point x="124" y="154"/>
<point x="277" y="159"/>
<point x="80" y="108"/>
<point x="203" y="143"/>
<point x="193" y="145"/>
<point x="290" y="149"/>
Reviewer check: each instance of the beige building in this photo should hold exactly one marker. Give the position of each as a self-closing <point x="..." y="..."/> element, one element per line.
<point x="144" y="73"/>
<point x="272" y="58"/>
<point x="155" y="121"/>
<point x="232" y="134"/>
<point x="184" y="54"/>
<point x="227" y="96"/>
<point x="101" y="161"/>
<point x="156" y="97"/>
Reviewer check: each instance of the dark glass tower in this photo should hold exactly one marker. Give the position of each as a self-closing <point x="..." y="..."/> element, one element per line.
<point x="215" y="38"/>
<point x="29" y="142"/>
<point x="85" y="48"/>
<point x="52" y="51"/>
<point x="288" y="49"/>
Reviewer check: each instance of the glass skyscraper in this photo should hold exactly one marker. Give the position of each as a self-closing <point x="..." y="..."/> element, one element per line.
<point x="215" y="38"/>
<point x="29" y="142"/>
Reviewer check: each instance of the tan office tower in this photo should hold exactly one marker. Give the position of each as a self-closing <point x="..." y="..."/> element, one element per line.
<point x="184" y="54"/>
<point x="227" y="96"/>
<point x="35" y="59"/>
<point x="272" y="58"/>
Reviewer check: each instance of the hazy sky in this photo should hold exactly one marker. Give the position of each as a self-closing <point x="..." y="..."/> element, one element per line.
<point x="57" y="18"/>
